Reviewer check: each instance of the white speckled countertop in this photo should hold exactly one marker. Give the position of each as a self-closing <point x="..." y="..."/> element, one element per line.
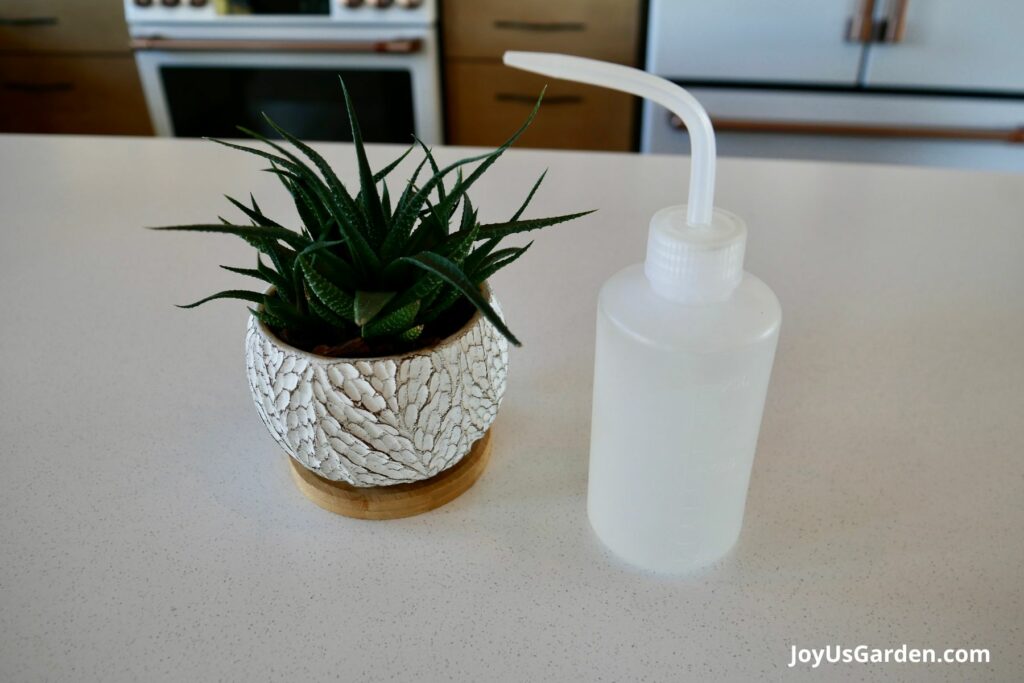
<point x="149" y="529"/>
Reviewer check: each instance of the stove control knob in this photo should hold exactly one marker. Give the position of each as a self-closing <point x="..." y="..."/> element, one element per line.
<point x="380" y="4"/>
<point x="170" y="3"/>
<point x="352" y="3"/>
<point x="410" y="4"/>
<point x="143" y="3"/>
<point x="197" y="3"/>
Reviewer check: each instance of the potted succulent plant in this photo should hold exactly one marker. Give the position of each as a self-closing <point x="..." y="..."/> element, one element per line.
<point x="377" y="355"/>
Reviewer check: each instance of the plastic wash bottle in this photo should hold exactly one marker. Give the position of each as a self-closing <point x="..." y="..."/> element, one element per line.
<point x="684" y="352"/>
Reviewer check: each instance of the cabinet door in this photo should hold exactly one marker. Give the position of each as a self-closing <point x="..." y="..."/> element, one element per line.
<point x="62" y="26"/>
<point x="781" y="41"/>
<point x="488" y="102"/>
<point x="601" y="29"/>
<point x="952" y="44"/>
<point x="85" y="95"/>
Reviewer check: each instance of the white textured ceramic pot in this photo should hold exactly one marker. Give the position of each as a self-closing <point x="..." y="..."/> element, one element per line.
<point x="379" y="421"/>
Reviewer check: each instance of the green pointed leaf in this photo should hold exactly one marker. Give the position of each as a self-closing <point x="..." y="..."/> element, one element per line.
<point x="362" y="254"/>
<point x="429" y="156"/>
<point x="478" y="255"/>
<point x="449" y="272"/>
<point x="346" y="203"/>
<point x="254" y="215"/>
<point x="368" y="191"/>
<point x="325" y="314"/>
<point x="385" y="200"/>
<point x="411" y="334"/>
<point x="337" y="300"/>
<point x="335" y="269"/>
<point x="410" y="189"/>
<point x="392" y="323"/>
<point x="343" y="209"/>
<point x="285" y="312"/>
<point x="267" y="319"/>
<point x="458" y="245"/>
<point x="248" y="272"/>
<point x="444" y="299"/>
<point x="423" y="289"/>
<point x="408" y="210"/>
<point x="431" y="232"/>
<point x="256" y="232"/>
<point x="407" y="213"/>
<point x="384" y="172"/>
<point x="493" y="230"/>
<point x="287" y="158"/>
<point x="313" y="214"/>
<point x="529" y="197"/>
<point x="496" y="262"/>
<point x="273" y="158"/>
<point x="228" y="294"/>
<point x="318" y="246"/>
<point x="463" y="186"/>
<point x="369" y="304"/>
<point x="276" y="278"/>
<point x="282" y="259"/>
<point x="291" y="164"/>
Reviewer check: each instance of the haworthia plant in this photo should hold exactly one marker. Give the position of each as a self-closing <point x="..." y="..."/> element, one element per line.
<point x="376" y="265"/>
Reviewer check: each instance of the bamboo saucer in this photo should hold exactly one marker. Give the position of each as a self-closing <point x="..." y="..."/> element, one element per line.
<point x="400" y="500"/>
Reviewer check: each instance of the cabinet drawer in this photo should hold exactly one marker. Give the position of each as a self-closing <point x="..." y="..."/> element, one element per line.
<point x="86" y="95"/>
<point x="62" y="26"/>
<point x="488" y="102"/>
<point x="602" y="29"/>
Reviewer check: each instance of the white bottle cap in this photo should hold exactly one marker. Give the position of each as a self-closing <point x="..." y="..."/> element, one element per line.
<point x="694" y="251"/>
<point x="695" y="264"/>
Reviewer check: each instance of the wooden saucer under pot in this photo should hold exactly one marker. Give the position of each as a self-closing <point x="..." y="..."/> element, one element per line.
<point x="400" y="500"/>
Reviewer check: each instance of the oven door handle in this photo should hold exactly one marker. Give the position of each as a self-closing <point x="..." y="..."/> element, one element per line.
<point x="403" y="46"/>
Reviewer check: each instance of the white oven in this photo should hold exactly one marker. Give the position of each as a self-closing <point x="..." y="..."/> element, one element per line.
<point x="209" y="66"/>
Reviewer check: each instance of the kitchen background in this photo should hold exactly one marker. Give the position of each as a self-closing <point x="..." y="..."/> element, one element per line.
<point x="931" y="82"/>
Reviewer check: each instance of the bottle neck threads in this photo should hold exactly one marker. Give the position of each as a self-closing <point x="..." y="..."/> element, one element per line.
<point x="693" y="264"/>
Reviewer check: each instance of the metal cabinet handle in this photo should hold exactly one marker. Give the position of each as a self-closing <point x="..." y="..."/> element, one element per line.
<point x="532" y="99"/>
<point x="894" y="27"/>
<point x="38" y="88"/>
<point x="860" y="27"/>
<point x="540" y="26"/>
<point x="27" y="22"/>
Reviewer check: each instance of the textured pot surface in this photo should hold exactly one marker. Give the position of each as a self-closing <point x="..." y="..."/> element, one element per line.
<point x="379" y="421"/>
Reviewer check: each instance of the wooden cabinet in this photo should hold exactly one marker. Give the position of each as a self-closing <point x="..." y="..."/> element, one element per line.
<point x="65" y="67"/>
<point x="79" y="94"/>
<point x="487" y="101"/>
<point x="62" y="26"/>
<point x="492" y="101"/>
<point x="602" y="29"/>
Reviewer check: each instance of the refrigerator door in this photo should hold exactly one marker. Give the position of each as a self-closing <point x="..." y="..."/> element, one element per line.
<point x="950" y="45"/>
<point x="780" y="41"/>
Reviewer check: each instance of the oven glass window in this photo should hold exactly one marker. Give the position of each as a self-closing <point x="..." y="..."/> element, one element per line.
<point x="307" y="103"/>
<point x="276" y="7"/>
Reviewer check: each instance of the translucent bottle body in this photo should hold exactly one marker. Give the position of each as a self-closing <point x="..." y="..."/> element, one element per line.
<point x="679" y="391"/>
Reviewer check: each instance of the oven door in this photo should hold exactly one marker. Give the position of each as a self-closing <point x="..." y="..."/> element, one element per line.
<point x="207" y="87"/>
